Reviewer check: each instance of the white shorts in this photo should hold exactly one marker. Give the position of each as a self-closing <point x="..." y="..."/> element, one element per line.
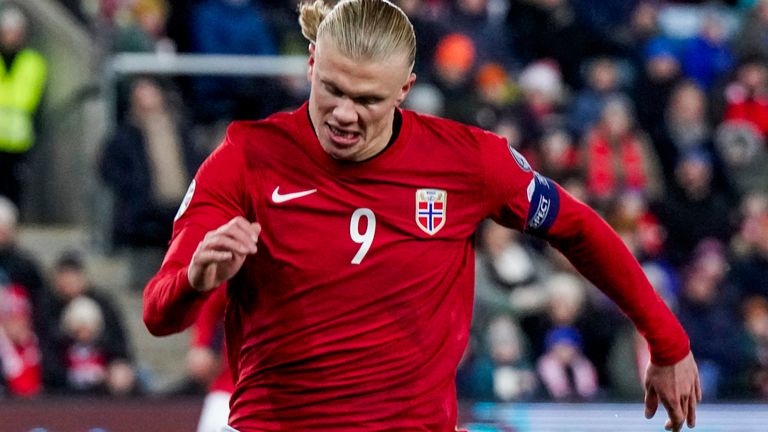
<point x="215" y="412"/>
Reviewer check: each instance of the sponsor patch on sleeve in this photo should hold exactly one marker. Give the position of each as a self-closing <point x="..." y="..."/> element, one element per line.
<point x="545" y="205"/>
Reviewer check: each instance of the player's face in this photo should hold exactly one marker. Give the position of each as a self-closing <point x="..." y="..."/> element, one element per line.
<point x="352" y="102"/>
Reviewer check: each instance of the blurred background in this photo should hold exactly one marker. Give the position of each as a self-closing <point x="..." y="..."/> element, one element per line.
<point x="653" y="112"/>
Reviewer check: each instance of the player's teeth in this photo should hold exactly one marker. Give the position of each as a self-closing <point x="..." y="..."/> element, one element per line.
<point x="342" y="133"/>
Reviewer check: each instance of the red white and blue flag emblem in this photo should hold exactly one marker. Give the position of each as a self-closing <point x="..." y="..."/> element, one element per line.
<point x="430" y="209"/>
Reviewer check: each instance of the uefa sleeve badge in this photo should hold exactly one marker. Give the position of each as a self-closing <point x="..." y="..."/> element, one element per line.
<point x="185" y="202"/>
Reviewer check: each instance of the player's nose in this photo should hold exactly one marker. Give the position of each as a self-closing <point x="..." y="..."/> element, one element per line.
<point x="344" y="113"/>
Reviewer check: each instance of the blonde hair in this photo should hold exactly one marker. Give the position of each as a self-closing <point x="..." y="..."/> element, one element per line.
<point x="361" y="29"/>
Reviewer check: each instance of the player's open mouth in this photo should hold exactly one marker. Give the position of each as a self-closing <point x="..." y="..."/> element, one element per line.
<point x="342" y="137"/>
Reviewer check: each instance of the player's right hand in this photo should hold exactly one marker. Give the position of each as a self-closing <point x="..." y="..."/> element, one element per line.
<point x="222" y="252"/>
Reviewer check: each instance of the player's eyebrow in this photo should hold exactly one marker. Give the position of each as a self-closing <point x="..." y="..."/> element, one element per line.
<point x="362" y="96"/>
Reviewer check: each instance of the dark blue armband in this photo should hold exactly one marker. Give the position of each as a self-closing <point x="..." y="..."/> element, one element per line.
<point x="545" y="205"/>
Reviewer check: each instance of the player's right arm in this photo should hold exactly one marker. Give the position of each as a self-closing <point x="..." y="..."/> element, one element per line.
<point x="204" y="352"/>
<point x="211" y="239"/>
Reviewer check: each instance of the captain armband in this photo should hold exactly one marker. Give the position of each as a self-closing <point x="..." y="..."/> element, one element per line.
<point x="544" y="199"/>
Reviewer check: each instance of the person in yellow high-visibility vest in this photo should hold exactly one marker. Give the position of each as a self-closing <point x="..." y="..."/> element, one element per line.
<point x="22" y="81"/>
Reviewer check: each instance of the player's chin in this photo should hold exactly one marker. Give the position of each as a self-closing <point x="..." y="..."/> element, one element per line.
<point x="342" y="152"/>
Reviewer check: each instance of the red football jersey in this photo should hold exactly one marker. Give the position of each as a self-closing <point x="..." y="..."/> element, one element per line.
<point x="355" y="311"/>
<point x="207" y="332"/>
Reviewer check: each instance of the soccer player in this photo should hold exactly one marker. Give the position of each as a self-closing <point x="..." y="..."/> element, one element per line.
<point x="355" y="310"/>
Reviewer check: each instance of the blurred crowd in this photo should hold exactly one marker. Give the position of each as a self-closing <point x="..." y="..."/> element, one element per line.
<point x="653" y="112"/>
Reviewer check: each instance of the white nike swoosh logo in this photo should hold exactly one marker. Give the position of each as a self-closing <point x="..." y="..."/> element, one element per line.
<point x="278" y="198"/>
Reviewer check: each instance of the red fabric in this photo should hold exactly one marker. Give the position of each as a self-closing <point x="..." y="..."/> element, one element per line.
<point x="207" y="328"/>
<point x="22" y="370"/>
<point x="603" y="177"/>
<point x="86" y="365"/>
<point x="320" y="341"/>
<point x="20" y="358"/>
<point x="754" y="111"/>
<point x="209" y="319"/>
<point x="15" y="302"/>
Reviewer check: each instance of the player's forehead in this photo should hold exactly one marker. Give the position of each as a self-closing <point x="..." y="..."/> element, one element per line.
<point x="386" y="62"/>
<point x="359" y="75"/>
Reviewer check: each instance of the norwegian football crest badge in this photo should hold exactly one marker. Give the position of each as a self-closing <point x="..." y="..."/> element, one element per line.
<point x="430" y="209"/>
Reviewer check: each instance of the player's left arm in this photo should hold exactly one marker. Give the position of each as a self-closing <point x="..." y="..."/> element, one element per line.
<point x="599" y="254"/>
<point x="525" y="200"/>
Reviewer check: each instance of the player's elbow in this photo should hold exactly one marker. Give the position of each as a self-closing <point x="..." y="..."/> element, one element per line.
<point x="153" y="325"/>
<point x="156" y="325"/>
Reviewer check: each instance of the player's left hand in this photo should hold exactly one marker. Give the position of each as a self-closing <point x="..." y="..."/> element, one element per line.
<point x="679" y="390"/>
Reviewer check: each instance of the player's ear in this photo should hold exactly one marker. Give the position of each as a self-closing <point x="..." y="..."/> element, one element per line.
<point x="311" y="61"/>
<point x="406" y="88"/>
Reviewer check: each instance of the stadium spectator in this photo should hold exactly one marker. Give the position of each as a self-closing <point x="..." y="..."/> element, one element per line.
<point x="550" y="29"/>
<point x="602" y="84"/>
<point x="608" y="22"/>
<point x="685" y="127"/>
<point x="750" y="269"/>
<point x="430" y="31"/>
<point x="558" y="155"/>
<point x="566" y="374"/>
<point x="508" y="277"/>
<point x="502" y="370"/>
<point x="20" y="364"/>
<point x="707" y="56"/>
<point x="147" y="163"/>
<point x="91" y="350"/>
<point x="232" y="27"/>
<point x="708" y="311"/>
<point x="541" y="106"/>
<point x="659" y="74"/>
<point x="570" y="304"/>
<point x="694" y="197"/>
<point x="747" y="96"/>
<point x="618" y="157"/>
<point x="87" y="366"/>
<point x="755" y="313"/>
<point x="20" y="267"/>
<point x="489" y="34"/>
<point x="23" y="76"/>
<point x="643" y="26"/>
<point x="454" y="64"/>
<point x="147" y="30"/>
<point x="495" y="93"/>
<point x="630" y="216"/>
<point x="750" y="40"/>
<point x="744" y="155"/>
